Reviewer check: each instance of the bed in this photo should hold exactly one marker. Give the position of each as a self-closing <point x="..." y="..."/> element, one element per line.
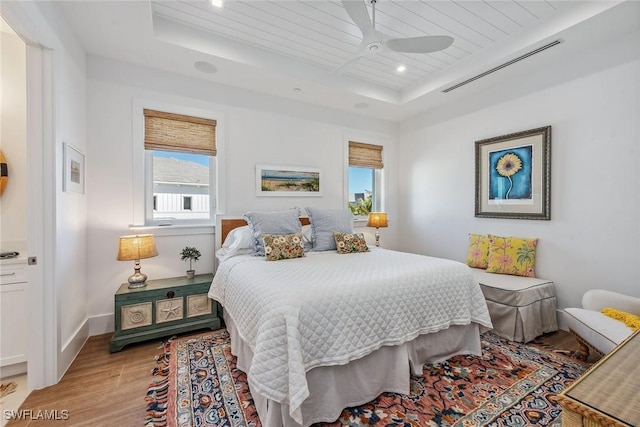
<point x="325" y="331"/>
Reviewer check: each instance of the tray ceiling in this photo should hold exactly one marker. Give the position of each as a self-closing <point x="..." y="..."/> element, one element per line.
<point x="311" y="45"/>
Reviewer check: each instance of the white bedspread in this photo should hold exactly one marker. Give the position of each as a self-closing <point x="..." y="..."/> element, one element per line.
<point x="329" y="309"/>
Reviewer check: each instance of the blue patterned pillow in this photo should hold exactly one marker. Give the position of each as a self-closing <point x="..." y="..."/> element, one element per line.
<point x="283" y="222"/>
<point x="324" y="222"/>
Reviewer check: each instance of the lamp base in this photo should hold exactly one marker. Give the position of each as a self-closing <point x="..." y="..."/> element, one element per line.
<point x="377" y="236"/>
<point x="137" y="279"/>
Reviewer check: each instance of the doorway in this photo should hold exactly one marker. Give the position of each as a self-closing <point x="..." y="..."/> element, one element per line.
<point x="13" y="221"/>
<point x="38" y="206"/>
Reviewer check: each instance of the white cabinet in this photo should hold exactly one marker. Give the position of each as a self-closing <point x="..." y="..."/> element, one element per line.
<point x="13" y="317"/>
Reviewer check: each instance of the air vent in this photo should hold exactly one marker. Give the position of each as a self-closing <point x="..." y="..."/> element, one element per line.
<point x="506" y="64"/>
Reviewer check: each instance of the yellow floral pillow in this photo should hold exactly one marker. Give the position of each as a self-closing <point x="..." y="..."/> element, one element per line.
<point x="512" y="255"/>
<point x="478" y="252"/>
<point x="283" y="246"/>
<point x="631" y="320"/>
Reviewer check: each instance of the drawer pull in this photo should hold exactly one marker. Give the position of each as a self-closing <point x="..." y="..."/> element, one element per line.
<point x="8" y="274"/>
<point x="170" y="294"/>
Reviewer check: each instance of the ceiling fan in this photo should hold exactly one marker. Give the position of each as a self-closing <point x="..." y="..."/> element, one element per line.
<point x="373" y="41"/>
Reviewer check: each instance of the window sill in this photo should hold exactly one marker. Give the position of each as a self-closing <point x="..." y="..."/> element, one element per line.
<point x="360" y="222"/>
<point x="174" y="230"/>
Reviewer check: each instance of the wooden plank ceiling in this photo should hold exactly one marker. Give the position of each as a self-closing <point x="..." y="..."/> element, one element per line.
<point x="321" y="34"/>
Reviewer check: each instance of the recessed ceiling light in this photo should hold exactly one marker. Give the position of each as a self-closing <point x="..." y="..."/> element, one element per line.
<point x="401" y="68"/>
<point x="205" y="67"/>
<point x="361" y="105"/>
<point x="217" y="3"/>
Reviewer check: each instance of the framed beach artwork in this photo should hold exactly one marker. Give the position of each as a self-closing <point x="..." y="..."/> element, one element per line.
<point x="73" y="179"/>
<point x="273" y="180"/>
<point x="513" y="175"/>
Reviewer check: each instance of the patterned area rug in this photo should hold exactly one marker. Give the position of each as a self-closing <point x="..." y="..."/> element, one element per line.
<point x="510" y="385"/>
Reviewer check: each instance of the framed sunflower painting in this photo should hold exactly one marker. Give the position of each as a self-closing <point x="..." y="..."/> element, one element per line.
<point x="513" y="175"/>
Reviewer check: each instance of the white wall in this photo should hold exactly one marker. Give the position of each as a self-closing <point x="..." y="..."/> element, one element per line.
<point x="13" y="143"/>
<point x="593" y="237"/>
<point x="253" y="129"/>
<point x="71" y="208"/>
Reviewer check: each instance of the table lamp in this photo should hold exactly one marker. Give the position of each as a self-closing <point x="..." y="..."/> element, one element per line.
<point x="377" y="220"/>
<point x="135" y="248"/>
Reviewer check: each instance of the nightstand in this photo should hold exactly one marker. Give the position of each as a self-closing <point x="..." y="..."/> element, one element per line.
<point x="163" y="307"/>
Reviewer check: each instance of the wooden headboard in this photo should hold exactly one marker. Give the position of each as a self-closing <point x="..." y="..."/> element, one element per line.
<point x="228" y="224"/>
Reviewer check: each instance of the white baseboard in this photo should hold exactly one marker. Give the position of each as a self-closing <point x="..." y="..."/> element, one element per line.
<point x="102" y="324"/>
<point x="11" y="370"/>
<point x="71" y="348"/>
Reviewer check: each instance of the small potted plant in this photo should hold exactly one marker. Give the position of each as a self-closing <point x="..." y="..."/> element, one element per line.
<point x="191" y="254"/>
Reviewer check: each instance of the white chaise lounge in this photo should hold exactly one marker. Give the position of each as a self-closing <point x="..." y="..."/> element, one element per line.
<point x="593" y="329"/>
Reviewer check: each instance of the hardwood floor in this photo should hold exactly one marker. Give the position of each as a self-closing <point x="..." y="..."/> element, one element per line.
<point x="99" y="389"/>
<point x="103" y="389"/>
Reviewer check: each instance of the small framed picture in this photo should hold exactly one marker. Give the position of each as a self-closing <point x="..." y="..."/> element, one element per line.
<point x="513" y="175"/>
<point x="73" y="170"/>
<point x="273" y="180"/>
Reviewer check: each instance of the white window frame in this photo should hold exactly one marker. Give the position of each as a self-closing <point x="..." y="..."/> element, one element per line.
<point x="377" y="182"/>
<point x="377" y="186"/>
<point x="150" y="221"/>
<point x="143" y="172"/>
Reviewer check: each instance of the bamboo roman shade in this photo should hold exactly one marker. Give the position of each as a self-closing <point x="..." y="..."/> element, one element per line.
<point x="365" y="155"/>
<point x="176" y="132"/>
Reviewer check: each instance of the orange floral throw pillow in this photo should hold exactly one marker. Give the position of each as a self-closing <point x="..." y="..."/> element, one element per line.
<point x="478" y="251"/>
<point x="512" y="255"/>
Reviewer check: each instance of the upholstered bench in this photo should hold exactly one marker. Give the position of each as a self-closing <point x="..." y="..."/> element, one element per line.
<point x="593" y="329"/>
<point x="521" y="308"/>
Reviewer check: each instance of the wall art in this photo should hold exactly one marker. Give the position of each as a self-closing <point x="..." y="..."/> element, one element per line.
<point x="513" y="175"/>
<point x="73" y="170"/>
<point x="273" y="180"/>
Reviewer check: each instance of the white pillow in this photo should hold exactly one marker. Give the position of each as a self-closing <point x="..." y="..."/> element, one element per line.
<point x="239" y="241"/>
<point x="307" y="237"/>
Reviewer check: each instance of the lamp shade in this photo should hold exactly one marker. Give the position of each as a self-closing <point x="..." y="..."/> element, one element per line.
<point x="377" y="219"/>
<point x="136" y="247"/>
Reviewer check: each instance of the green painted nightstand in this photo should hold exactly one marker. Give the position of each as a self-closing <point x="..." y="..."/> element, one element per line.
<point x="163" y="307"/>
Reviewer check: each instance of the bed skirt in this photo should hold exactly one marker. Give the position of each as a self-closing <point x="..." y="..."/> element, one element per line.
<point x="333" y="388"/>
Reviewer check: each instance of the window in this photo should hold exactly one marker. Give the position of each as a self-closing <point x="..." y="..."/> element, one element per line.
<point x="365" y="178"/>
<point x="186" y="203"/>
<point x="180" y="168"/>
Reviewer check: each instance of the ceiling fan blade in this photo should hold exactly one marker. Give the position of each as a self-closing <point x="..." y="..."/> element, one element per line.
<point x="357" y="11"/>
<point x="423" y="44"/>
